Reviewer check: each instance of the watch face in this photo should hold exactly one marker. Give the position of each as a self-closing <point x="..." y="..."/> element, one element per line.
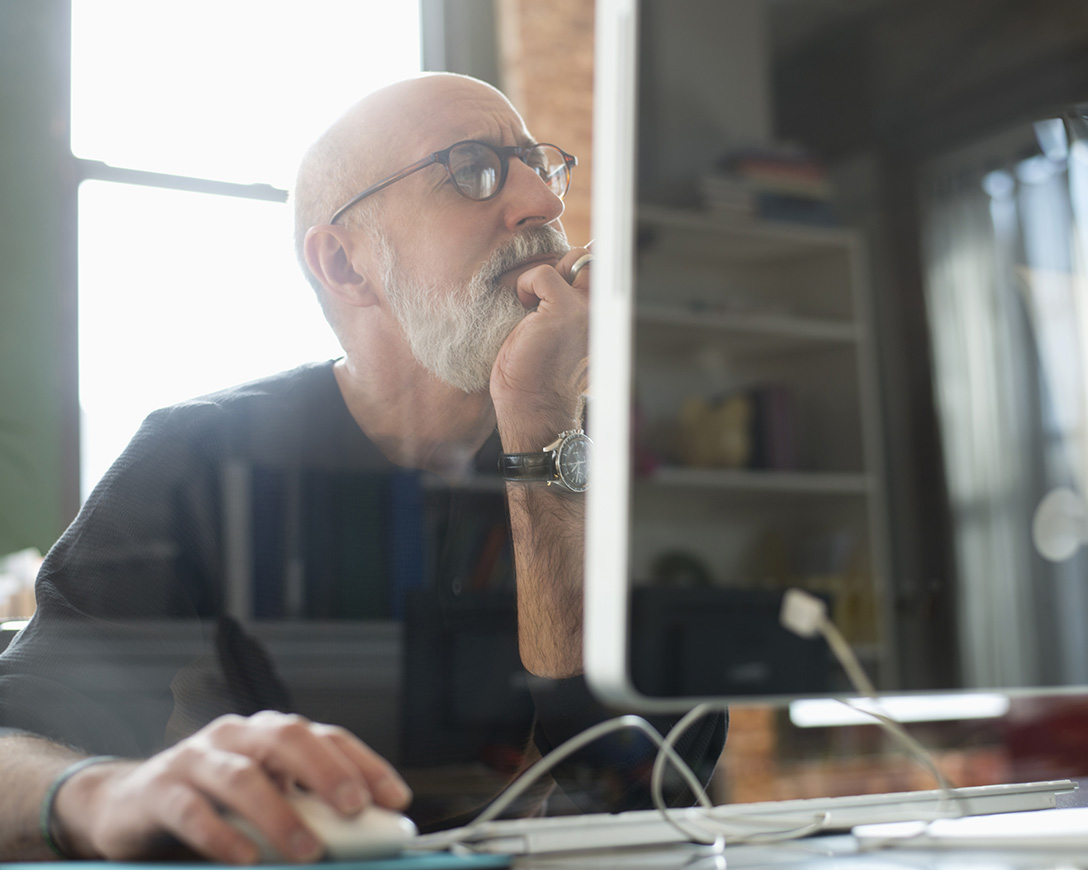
<point x="572" y="463"/>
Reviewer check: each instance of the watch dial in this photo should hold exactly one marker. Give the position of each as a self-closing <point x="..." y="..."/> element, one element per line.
<point x="574" y="462"/>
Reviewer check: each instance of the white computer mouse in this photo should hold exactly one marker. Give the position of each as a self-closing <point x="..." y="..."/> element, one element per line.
<point x="374" y="833"/>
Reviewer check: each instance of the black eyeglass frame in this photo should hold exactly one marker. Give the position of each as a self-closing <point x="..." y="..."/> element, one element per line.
<point x="504" y="152"/>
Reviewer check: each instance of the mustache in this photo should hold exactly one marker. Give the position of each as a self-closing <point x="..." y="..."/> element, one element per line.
<point x="530" y="243"/>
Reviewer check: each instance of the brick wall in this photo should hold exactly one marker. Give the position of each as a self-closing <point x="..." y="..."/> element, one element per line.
<point x="546" y="62"/>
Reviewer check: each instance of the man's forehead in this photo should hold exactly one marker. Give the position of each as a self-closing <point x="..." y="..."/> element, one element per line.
<point x="398" y="125"/>
<point x="437" y="113"/>
<point x="444" y="116"/>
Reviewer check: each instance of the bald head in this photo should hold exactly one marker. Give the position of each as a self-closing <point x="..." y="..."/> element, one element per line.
<point x="382" y="133"/>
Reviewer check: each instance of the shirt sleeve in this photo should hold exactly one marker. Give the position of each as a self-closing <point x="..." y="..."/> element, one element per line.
<point x="119" y="604"/>
<point x="613" y="773"/>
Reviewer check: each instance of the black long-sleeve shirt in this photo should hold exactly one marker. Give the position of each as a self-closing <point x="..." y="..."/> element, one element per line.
<point x="252" y="550"/>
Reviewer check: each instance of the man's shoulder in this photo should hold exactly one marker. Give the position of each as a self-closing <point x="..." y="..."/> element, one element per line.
<point x="272" y="409"/>
<point x="307" y="383"/>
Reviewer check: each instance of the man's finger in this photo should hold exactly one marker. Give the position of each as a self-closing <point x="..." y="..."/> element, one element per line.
<point x="241" y="785"/>
<point x="573" y="266"/>
<point x="192" y="820"/>
<point x="385" y="784"/>
<point x="336" y="765"/>
<point x="579" y="264"/>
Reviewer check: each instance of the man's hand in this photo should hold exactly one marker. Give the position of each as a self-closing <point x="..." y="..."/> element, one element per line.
<point x="137" y="810"/>
<point x="539" y="378"/>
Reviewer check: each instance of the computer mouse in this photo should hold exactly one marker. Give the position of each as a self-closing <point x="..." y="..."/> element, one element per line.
<point x="374" y="833"/>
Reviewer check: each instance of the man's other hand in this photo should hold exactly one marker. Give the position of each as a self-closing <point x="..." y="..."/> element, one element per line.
<point x="137" y="810"/>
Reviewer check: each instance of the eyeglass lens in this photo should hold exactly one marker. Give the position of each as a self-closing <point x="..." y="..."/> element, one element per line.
<point x="477" y="171"/>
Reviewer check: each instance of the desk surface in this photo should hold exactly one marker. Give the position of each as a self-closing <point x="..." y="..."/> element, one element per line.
<point x="818" y="853"/>
<point x="826" y="853"/>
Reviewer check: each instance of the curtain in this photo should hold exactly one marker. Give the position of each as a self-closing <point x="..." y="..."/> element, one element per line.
<point x="1003" y="241"/>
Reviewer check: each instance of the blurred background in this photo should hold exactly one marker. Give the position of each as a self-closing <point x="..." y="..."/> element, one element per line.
<point x="146" y="150"/>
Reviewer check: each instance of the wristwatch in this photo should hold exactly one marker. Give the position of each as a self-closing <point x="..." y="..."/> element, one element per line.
<point x="564" y="462"/>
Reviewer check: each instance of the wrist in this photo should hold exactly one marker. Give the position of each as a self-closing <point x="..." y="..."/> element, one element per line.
<point x="67" y="815"/>
<point x="526" y="435"/>
<point x="526" y="425"/>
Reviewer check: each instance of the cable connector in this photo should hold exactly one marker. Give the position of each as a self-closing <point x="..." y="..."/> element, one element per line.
<point x="802" y="613"/>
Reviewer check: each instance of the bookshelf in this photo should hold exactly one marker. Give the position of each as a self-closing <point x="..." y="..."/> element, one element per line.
<point x="311" y="545"/>
<point x="758" y="443"/>
<point x="384" y="599"/>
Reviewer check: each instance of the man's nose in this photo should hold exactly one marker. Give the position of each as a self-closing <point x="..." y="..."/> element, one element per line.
<point x="527" y="199"/>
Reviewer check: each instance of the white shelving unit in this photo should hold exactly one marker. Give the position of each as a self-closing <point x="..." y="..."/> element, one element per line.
<point x="726" y="308"/>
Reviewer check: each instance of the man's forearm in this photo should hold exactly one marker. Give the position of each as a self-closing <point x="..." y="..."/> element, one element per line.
<point x="538" y="387"/>
<point x="28" y="765"/>
<point x="548" y="527"/>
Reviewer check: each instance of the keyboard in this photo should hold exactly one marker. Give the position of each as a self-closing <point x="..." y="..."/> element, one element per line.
<point x="596" y="831"/>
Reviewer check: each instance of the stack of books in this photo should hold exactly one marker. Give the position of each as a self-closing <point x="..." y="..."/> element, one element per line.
<point x="753" y="429"/>
<point x="774" y="437"/>
<point x="780" y="183"/>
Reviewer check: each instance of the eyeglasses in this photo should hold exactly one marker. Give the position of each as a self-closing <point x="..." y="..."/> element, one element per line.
<point x="478" y="170"/>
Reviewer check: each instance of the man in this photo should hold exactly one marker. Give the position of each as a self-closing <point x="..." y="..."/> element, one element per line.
<point x="427" y="220"/>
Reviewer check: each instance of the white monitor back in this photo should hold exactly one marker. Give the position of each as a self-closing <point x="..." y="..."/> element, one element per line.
<point x="714" y="301"/>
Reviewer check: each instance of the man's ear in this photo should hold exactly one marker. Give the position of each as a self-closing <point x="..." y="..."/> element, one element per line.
<point x="330" y="254"/>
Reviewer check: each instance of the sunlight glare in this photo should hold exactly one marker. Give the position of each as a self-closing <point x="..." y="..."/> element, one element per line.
<point x="182" y="293"/>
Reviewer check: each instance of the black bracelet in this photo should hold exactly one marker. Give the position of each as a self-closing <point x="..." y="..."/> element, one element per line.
<point x="45" y="820"/>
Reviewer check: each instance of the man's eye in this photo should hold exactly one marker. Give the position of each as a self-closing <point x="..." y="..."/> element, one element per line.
<point x="476" y="180"/>
<point x="466" y="174"/>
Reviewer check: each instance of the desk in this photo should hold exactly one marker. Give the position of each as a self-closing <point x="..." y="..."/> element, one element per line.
<point x="817" y="853"/>
<point x="826" y="853"/>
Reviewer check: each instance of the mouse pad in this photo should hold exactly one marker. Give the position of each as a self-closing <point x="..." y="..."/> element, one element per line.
<point x="407" y="861"/>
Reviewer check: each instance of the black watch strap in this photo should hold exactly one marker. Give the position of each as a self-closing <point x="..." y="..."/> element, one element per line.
<point x="528" y="466"/>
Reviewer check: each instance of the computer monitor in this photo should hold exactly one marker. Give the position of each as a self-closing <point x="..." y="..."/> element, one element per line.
<point x="837" y="343"/>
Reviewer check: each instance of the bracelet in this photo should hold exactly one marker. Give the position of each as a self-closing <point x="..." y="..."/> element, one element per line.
<point x="45" y="820"/>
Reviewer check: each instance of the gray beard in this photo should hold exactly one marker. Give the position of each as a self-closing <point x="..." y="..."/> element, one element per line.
<point x="456" y="333"/>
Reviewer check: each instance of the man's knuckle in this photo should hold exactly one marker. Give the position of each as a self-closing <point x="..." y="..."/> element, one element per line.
<point x="333" y="731"/>
<point x="239" y="773"/>
<point x="182" y="757"/>
<point x="293" y="727"/>
<point x="224" y="726"/>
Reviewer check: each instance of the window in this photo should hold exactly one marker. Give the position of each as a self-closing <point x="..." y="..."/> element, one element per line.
<point x="188" y="119"/>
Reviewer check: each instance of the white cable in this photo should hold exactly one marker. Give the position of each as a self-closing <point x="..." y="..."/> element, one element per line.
<point x="671" y="739"/>
<point x="845" y="654"/>
<point x="802" y="613"/>
<point x="849" y="662"/>
<point x="716" y="829"/>
<point x="806" y="615"/>
<point x="657" y="791"/>
<point x="561" y="753"/>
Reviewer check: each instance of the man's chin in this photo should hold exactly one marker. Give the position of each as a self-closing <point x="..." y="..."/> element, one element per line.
<point x="463" y="355"/>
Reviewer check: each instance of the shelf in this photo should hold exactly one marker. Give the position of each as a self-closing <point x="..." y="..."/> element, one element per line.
<point x="785" y="482"/>
<point x="750" y="240"/>
<point x="772" y="326"/>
